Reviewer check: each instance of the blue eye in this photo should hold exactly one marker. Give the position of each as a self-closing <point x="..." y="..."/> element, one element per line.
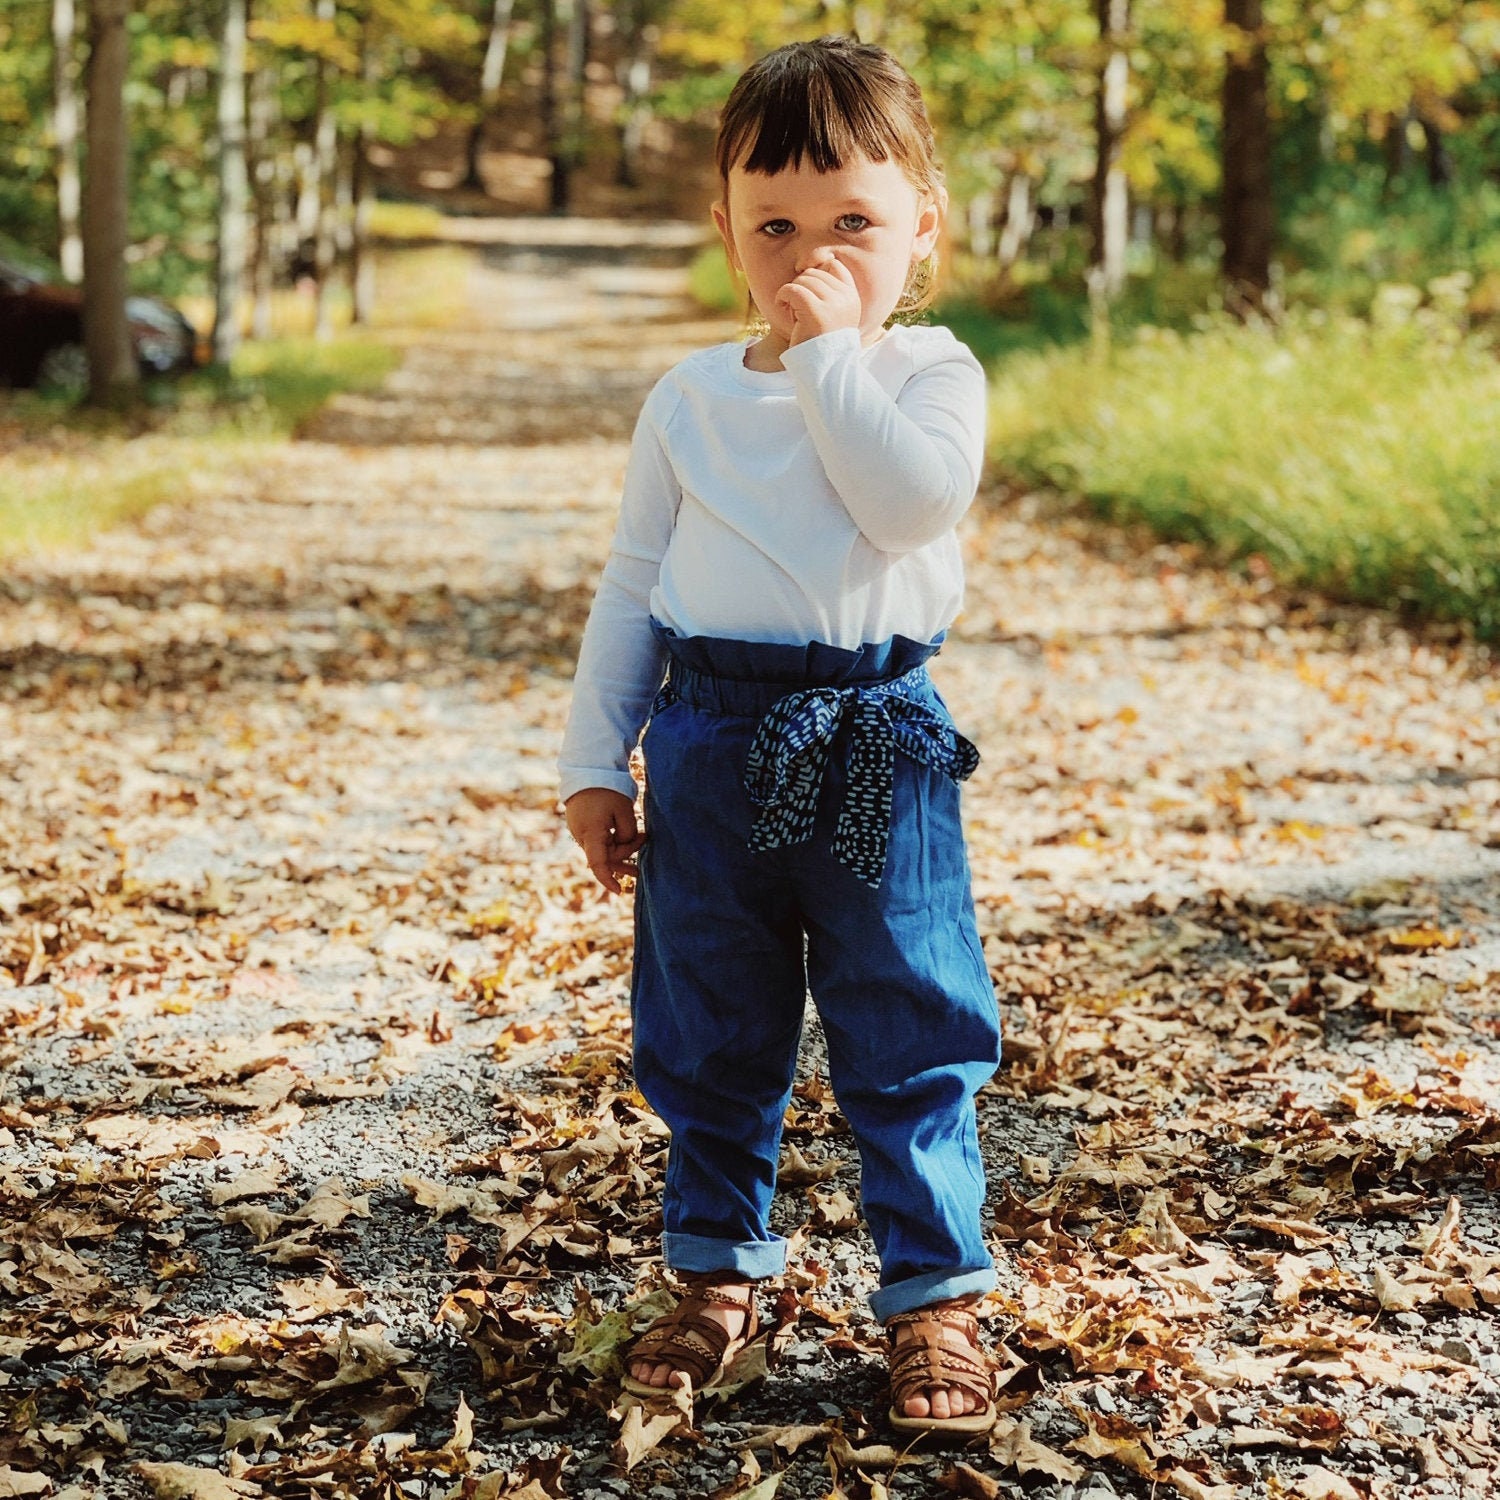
<point x="857" y="216"/>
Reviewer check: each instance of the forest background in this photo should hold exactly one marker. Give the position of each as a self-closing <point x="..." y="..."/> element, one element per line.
<point x="1234" y="264"/>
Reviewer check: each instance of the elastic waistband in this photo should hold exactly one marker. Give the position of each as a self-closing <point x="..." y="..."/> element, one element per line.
<point x="748" y="677"/>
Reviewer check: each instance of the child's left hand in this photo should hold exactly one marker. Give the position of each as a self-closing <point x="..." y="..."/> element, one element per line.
<point x="822" y="298"/>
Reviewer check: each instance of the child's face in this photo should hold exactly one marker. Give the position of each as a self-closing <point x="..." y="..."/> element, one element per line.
<point x="867" y="215"/>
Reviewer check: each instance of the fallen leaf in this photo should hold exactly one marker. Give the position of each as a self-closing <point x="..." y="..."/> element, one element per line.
<point x="22" y="1482"/>
<point x="1012" y="1445"/>
<point x="183" y="1482"/>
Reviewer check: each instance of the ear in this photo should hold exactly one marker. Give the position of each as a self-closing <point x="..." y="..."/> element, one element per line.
<point x="721" y="223"/>
<point x="929" y="222"/>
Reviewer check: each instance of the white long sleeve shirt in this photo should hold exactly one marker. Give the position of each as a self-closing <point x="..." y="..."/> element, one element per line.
<point x="815" y="502"/>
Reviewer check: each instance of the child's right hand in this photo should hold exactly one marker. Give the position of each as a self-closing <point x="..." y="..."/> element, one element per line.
<point x="603" y="825"/>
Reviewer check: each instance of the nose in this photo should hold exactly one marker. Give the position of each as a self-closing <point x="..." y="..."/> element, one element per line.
<point x="814" y="255"/>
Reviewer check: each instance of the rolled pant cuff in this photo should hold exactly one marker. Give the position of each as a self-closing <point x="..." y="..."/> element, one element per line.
<point x="933" y="1286"/>
<point x="752" y="1259"/>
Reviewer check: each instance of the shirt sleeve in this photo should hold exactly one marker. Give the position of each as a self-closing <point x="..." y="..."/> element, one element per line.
<point x="906" y="469"/>
<point x="620" y="661"/>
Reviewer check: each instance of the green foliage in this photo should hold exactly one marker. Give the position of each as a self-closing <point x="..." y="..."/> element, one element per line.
<point x="711" y="282"/>
<point x="1355" y="457"/>
<point x="1346" y="238"/>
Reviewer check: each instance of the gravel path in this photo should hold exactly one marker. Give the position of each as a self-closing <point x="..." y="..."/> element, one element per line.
<point x="314" y="1089"/>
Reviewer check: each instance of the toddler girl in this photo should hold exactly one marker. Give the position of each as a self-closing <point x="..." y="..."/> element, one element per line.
<point x="785" y="558"/>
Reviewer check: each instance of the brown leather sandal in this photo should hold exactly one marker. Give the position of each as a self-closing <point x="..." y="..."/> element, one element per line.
<point x="690" y="1342"/>
<point x="943" y="1351"/>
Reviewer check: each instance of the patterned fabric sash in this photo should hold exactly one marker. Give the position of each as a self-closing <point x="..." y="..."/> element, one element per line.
<point x="784" y="770"/>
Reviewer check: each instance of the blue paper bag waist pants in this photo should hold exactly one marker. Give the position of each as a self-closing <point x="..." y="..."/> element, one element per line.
<point x="769" y="770"/>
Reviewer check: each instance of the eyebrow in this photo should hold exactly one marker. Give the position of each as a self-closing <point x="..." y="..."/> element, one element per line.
<point x="844" y="207"/>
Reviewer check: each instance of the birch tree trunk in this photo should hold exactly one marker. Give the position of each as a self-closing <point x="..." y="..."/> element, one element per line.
<point x="65" y="129"/>
<point x="979" y="218"/>
<point x="634" y="75"/>
<point x="234" y="186"/>
<point x="264" y="197"/>
<point x="490" y="76"/>
<point x="1110" y="198"/>
<point x="114" y="378"/>
<point x="1020" y="218"/>
<point x="325" y="154"/>
<point x="362" y="189"/>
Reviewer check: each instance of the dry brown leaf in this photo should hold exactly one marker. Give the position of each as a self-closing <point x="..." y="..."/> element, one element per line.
<point x="1301" y="1233"/>
<point x="1439" y="1244"/>
<point x="183" y="1482"/>
<point x="970" y="1483"/>
<point x="308" y="1299"/>
<point x="796" y="1170"/>
<point x="330" y="1204"/>
<point x="1318" y="1483"/>
<point x="1012" y="1445"/>
<point x="648" y="1424"/>
<point x="1398" y="1296"/>
<point x="835" y="1211"/>
<point x="22" y="1482"/>
<point x="1185" y="1482"/>
<point x="1115" y="1438"/>
<point x="249" y="1184"/>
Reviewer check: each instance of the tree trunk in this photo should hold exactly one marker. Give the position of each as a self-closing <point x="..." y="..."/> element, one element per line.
<point x="980" y="217"/>
<point x="264" y="196"/>
<point x="1109" y="205"/>
<point x="114" y="378"/>
<point x="1395" y="149"/>
<point x="1247" y="210"/>
<point x="234" y="186"/>
<point x="362" y="188"/>
<point x="634" y="75"/>
<point x="1020" y="217"/>
<point x="65" y="129"/>
<point x="576" y="125"/>
<point x="1439" y="162"/>
<point x="325" y="155"/>
<point x="1171" y="229"/>
<point x="558" y="190"/>
<point x="490" y="76"/>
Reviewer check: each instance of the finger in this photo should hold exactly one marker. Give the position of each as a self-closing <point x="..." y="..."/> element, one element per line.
<point x="830" y="268"/>
<point x="596" y="851"/>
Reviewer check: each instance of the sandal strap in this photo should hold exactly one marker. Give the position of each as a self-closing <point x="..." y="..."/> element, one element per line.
<point x="688" y="1341"/>
<point x="705" y="1291"/>
<point x="943" y="1351"/>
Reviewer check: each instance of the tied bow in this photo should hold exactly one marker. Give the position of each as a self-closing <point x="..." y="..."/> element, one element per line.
<point x="784" y="770"/>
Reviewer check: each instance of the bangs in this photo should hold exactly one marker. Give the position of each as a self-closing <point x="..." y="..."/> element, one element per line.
<point x="827" y="119"/>
<point x="827" y="102"/>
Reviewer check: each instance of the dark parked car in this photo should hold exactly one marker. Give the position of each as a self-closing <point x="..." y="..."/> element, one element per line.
<point x="41" y="332"/>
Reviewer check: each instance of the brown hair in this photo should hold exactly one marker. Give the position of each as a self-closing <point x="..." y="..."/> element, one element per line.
<point x="829" y="99"/>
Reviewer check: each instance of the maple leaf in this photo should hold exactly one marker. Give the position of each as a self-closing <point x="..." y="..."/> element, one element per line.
<point x="1012" y="1445"/>
<point x="20" y="1482"/>
<point x="648" y="1422"/>
<point x="183" y="1482"/>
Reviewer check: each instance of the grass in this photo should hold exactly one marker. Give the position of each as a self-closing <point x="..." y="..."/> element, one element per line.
<point x="70" y="472"/>
<point x="1352" y="456"/>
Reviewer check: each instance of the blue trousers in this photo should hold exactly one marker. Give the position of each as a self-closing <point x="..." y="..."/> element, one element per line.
<point x="729" y="938"/>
